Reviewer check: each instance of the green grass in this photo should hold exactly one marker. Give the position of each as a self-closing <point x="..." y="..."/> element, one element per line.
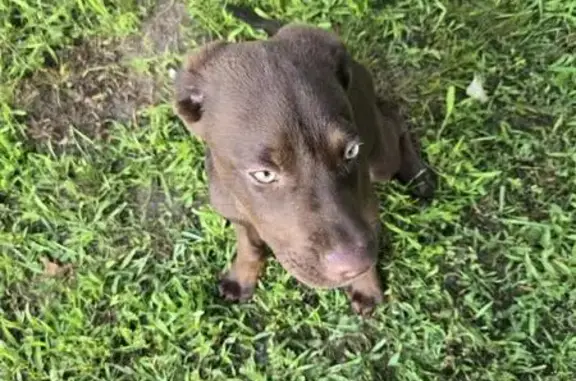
<point x="482" y="283"/>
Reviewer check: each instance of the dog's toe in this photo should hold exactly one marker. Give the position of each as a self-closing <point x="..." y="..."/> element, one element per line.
<point x="232" y="290"/>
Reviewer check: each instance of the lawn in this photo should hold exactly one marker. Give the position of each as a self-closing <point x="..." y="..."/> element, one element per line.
<point x="109" y="251"/>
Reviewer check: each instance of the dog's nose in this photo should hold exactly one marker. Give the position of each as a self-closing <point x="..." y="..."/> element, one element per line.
<point x="348" y="262"/>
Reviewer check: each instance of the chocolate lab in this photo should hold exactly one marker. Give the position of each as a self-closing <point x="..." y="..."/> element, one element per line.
<point x="295" y="137"/>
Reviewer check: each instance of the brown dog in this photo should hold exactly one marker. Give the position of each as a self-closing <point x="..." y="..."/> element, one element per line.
<point x="295" y="137"/>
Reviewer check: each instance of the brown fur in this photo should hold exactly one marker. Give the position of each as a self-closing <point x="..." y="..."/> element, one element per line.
<point x="292" y="105"/>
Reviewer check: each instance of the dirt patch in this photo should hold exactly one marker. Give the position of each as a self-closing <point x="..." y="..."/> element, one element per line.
<point x="94" y="83"/>
<point x="85" y="91"/>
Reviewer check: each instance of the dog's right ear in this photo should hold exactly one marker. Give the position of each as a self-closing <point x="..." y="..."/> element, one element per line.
<point x="190" y="86"/>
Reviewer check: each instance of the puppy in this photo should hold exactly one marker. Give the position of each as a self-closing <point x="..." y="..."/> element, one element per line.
<point x="295" y="137"/>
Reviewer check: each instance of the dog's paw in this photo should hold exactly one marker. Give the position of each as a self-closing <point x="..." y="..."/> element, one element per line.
<point x="364" y="304"/>
<point x="423" y="186"/>
<point x="234" y="291"/>
<point x="365" y="294"/>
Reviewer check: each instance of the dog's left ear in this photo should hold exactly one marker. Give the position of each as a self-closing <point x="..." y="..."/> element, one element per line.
<point x="191" y="86"/>
<point x="343" y="67"/>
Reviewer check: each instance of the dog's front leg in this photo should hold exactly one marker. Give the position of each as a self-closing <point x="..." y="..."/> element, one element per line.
<point x="366" y="293"/>
<point x="239" y="282"/>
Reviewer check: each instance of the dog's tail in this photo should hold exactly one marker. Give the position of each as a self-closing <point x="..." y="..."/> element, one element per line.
<point x="254" y="20"/>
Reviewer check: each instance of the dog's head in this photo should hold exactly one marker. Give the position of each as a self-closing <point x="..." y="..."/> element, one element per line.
<point x="276" y="117"/>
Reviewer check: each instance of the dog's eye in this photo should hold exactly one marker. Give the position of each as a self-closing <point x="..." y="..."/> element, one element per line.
<point x="352" y="150"/>
<point x="264" y="177"/>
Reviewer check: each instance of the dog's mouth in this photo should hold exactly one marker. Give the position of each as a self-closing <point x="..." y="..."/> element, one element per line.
<point x="311" y="274"/>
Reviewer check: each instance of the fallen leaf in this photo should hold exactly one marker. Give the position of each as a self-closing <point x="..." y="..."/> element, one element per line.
<point x="53" y="269"/>
<point x="475" y="90"/>
<point x="172" y="73"/>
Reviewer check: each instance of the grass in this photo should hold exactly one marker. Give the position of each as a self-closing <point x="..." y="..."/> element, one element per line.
<point x="109" y="252"/>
